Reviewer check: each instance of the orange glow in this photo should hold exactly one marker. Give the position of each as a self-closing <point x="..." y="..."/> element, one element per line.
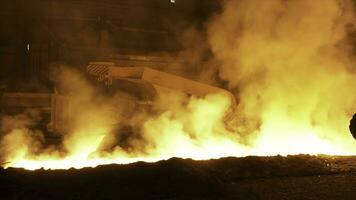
<point x="291" y="64"/>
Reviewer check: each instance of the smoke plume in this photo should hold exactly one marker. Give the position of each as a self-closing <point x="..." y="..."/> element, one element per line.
<point x="290" y="62"/>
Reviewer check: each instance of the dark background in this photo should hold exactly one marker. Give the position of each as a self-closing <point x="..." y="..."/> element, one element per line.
<point x="36" y="35"/>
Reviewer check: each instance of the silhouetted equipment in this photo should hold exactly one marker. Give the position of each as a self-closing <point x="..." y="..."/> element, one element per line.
<point x="157" y="82"/>
<point x="107" y="72"/>
<point x="352" y="126"/>
<point x="19" y="101"/>
<point x="142" y="85"/>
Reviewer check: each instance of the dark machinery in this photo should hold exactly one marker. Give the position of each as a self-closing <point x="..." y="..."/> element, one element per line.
<point x="143" y="83"/>
<point x="352" y="126"/>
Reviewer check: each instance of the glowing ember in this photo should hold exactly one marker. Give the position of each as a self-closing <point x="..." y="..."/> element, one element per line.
<point x="296" y="82"/>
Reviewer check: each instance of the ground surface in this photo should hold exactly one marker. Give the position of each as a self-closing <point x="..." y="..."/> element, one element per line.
<point x="292" y="177"/>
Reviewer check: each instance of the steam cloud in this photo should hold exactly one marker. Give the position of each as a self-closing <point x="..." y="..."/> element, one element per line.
<point x="289" y="63"/>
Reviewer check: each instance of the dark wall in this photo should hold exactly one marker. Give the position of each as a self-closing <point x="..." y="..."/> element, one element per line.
<point x="35" y="34"/>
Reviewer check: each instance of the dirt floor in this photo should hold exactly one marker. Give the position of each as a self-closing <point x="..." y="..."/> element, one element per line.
<point x="292" y="177"/>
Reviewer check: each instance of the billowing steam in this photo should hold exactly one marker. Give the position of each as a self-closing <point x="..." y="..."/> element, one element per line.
<point x="177" y="125"/>
<point x="289" y="62"/>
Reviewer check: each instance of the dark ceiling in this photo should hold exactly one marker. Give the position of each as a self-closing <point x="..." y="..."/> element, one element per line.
<point x="37" y="33"/>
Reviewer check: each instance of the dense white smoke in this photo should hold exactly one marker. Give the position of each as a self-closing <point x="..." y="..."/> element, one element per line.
<point x="291" y="63"/>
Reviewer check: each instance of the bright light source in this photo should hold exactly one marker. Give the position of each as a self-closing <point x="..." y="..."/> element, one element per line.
<point x="28" y="47"/>
<point x="173" y="1"/>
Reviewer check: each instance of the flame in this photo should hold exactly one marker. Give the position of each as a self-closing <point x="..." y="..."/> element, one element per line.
<point x="292" y="64"/>
<point x="177" y="132"/>
<point x="289" y="61"/>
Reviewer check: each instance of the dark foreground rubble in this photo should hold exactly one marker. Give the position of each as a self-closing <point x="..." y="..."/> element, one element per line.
<point x="291" y="177"/>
